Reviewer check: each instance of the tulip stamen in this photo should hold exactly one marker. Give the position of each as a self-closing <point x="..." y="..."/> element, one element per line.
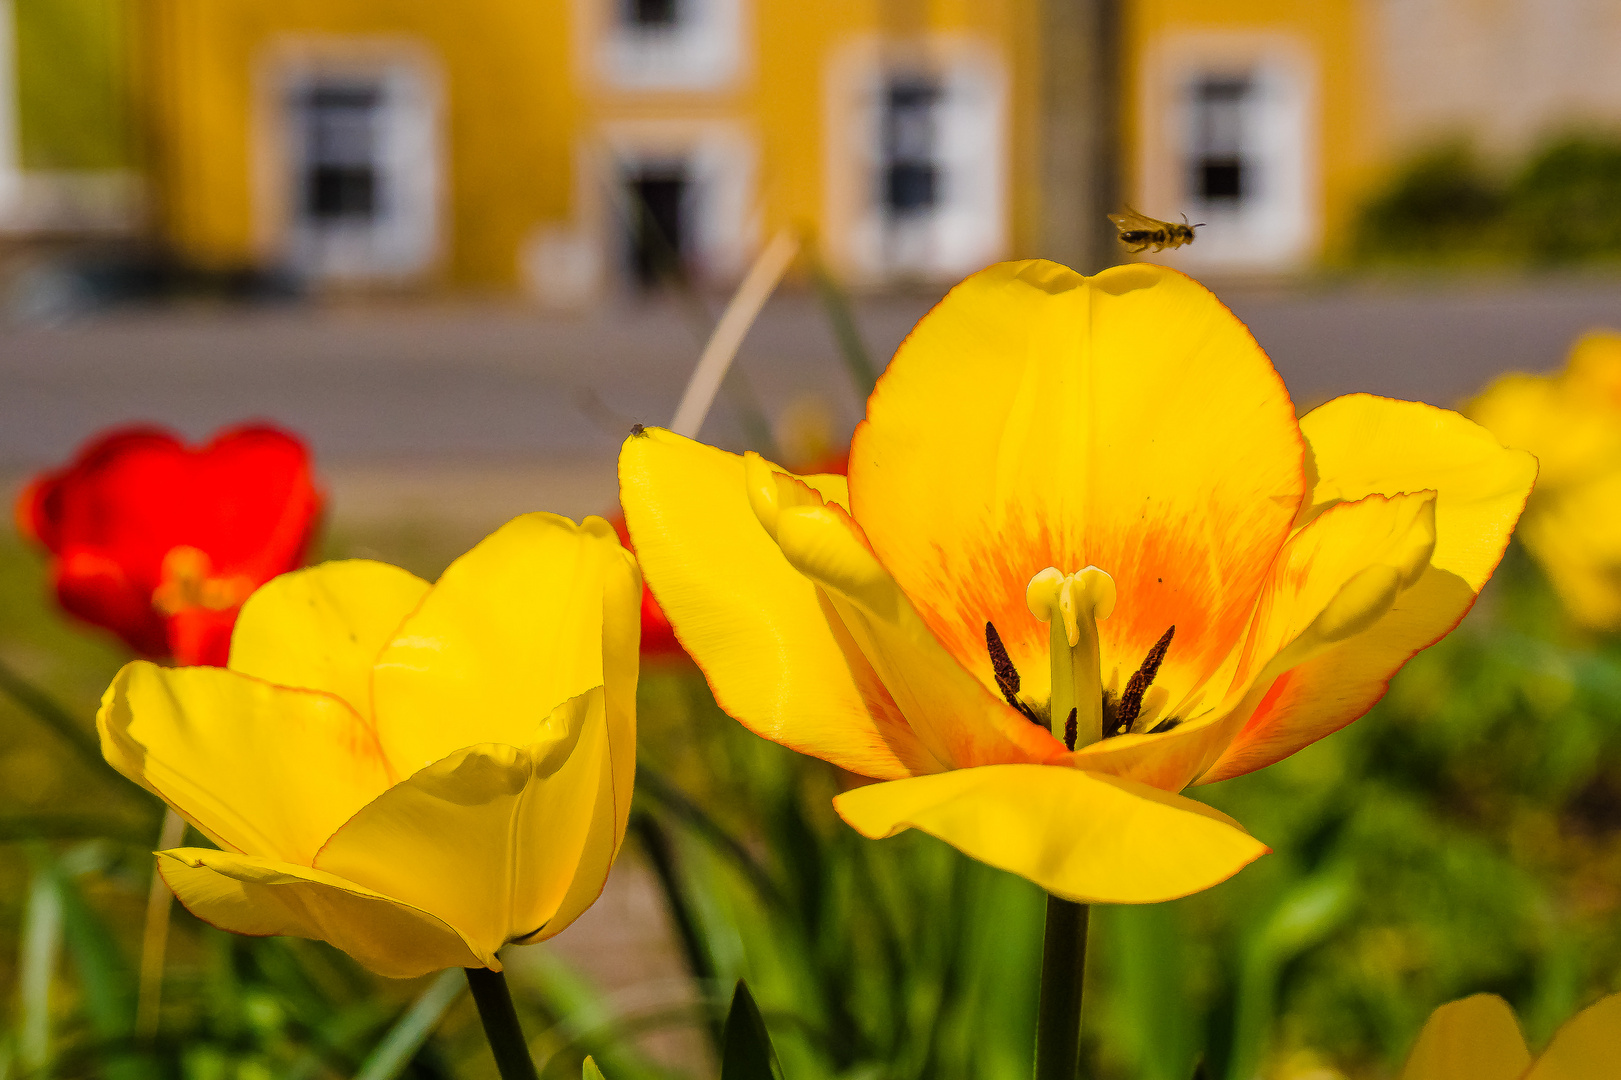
<point x="1131" y="699"/>
<point x="1071" y="729"/>
<point x="1007" y="676"/>
<point x="1071" y="605"/>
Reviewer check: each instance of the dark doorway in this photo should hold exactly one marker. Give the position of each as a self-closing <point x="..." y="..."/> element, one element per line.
<point x="659" y="240"/>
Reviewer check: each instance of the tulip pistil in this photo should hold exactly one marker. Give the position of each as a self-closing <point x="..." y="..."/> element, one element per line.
<point x="187" y="583"/>
<point x="1071" y="605"/>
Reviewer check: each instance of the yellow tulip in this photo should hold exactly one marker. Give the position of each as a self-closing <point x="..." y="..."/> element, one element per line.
<point x="1478" y="1038"/>
<point x="1571" y="421"/>
<point x="416" y="774"/>
<point x="1084" y="491"/>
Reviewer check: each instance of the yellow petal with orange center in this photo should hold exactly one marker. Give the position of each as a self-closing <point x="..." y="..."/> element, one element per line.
<point x="1477" y="1038"/>
<point x="1363" y="445"/>
<point x="260" y="769"/>
<point x="322" y="628"/>
<point x="1587" y="1047"/>
<point x="1334" y="578"/>
<point x="1035" y="419"/>
<point x="774" y="653"/>
<point x="1079" y="835"/>
<point x="261" y="897"/>
<point x="490" y="838"/>
<point x="960" y="722"/>
<point x="539" y="612"/>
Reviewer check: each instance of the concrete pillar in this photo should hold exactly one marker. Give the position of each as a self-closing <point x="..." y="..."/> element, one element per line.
<point x="1080" y="136"/>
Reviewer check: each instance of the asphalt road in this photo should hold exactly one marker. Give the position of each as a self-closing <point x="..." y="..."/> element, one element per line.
<point x="485" y="401"/>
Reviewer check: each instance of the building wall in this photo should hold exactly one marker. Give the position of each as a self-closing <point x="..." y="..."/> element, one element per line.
<point x="534" y="124"/>
<point x="1504" y="73"/>
<point x="1316" y="56"/>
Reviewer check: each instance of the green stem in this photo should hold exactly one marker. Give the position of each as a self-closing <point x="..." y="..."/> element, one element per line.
<point x="500" y="1018"/>
<point x="851" y="348"/>
<point x="1063" y="968"/>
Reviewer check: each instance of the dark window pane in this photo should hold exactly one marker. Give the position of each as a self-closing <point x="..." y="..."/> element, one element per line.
<point x="911" y="187"/>
<point x="911" y="171"/>
<point x="652" y="14"/>
<point x="1221" y="108"/>
<point x="341" y="171"/>
<point x="658" y="235"/>
<point x="1221" y="179"/>
<point x="337" y="191"/>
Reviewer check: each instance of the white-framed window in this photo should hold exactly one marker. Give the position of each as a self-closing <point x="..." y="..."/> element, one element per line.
<point x="362" y="174"/>
<point x="916" y="160"/>
<point x="1230" y="141"/>
<point x="668" y="44"/>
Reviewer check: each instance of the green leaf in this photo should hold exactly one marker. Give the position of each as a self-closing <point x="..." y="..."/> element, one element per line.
<point x="748" y="1054"/>
<point x="589" y="1070"/>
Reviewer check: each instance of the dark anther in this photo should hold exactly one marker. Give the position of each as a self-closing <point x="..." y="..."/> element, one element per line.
<point x="1164" y="725"/>
<point x="1131" y="699"/>
<point x="1007" y="676"/>
<point x="1070" y="728"/>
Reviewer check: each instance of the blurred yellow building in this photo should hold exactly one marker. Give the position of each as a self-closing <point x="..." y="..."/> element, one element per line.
<point x="564" y="146"/>
<point x="571" y="148"/>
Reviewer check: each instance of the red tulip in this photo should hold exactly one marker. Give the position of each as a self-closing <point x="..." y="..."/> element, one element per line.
<point x="658" y="639"/>
<point x="160" y="542"/>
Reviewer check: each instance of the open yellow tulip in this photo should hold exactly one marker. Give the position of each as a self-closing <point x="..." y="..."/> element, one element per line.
<point x="416" y="774"/>
<point x="1571" y="421"/>
<point x="1086" y="556"/>
<point x="1478" y="1038"/>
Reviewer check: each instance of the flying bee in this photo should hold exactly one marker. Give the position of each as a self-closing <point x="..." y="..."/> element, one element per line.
<point x="1139" y="232"/>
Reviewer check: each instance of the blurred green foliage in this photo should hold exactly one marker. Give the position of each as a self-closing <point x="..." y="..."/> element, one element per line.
<point x="1561" y="205"/>
<point x="1465" y="836"/>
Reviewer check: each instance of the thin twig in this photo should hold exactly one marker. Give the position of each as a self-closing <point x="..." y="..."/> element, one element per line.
<point x="757" y="287"/>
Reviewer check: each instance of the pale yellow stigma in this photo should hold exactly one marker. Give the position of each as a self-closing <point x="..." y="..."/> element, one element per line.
<point x="186" y="583"/>
<point x="1071" y="605"/>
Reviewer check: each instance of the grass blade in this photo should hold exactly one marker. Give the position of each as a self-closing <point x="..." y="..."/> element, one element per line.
<point x="36" y="970"/>
<point x="412" y="1029"/>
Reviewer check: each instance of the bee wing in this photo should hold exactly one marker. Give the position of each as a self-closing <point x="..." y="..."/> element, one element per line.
<point x="1130" y="219"/>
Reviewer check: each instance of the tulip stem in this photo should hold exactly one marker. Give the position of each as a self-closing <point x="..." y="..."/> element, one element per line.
<point x="1063" y="968"/>
<point x="501" y="1027"/>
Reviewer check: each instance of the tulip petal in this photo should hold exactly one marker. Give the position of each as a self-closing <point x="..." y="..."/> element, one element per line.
<point x="752" y="623"/>
<point x="490" y="838"/>
<point x="961" y="723"/>
<point x="1588" y="1046"/>
<point x="1575" y="534"/>
<point x="1363" y="445"/>
<point x="1477" y="1038"/>
<point x="512" y="629"/>
<point x="261" y="897"/>
<point x="323" y="628"/>
<point x="1079" y="835"/>
<point x="1037" y="418"/>
<point x="260" y="769"/>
